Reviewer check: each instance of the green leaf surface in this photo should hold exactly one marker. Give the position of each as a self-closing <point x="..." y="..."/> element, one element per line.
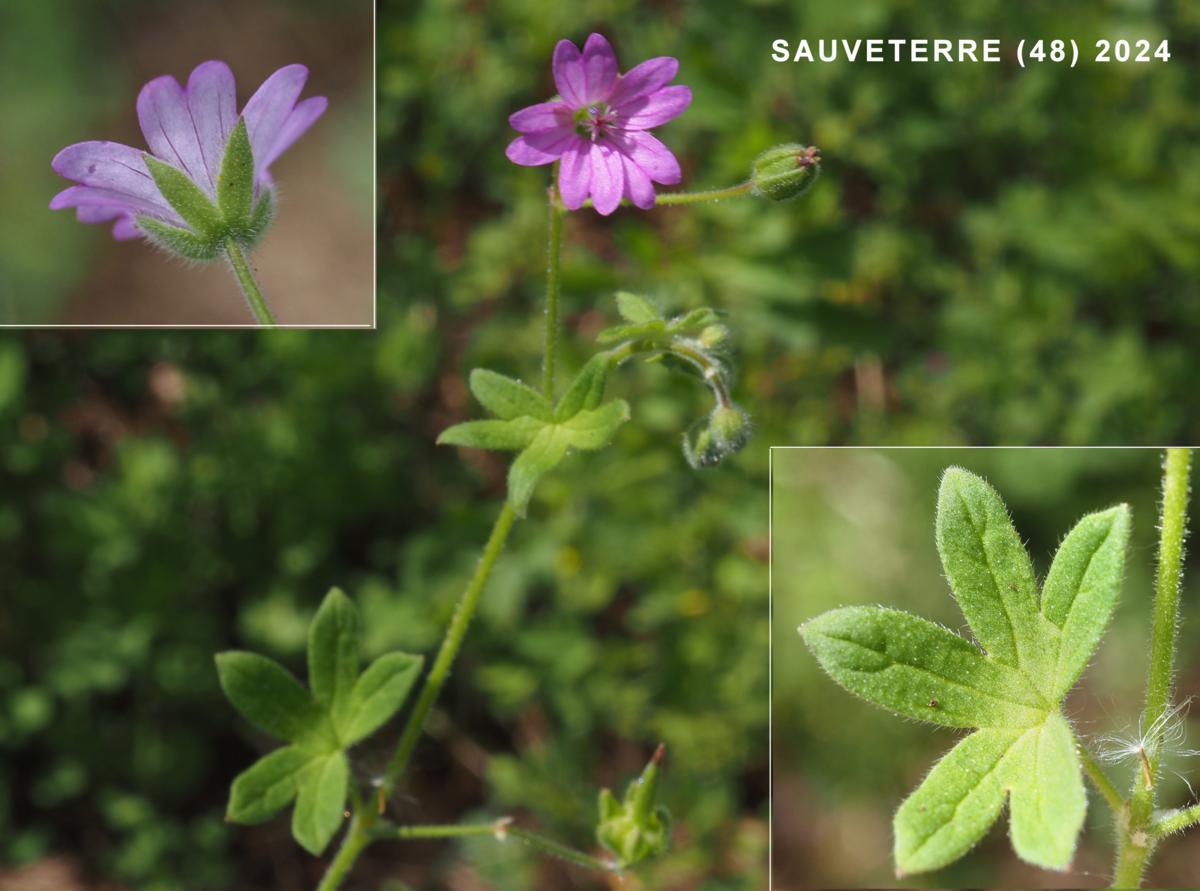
<point x="1048" y="801"/>
<point x="919" y="669"/>
<point x="266" y="694"/>
<point x="492" y="434"/>
<point x="235" y="182"/>
<point x="268" y="785"/>
<point x="586" y="391"/>
<point x="378" y="695"/>
<point x="320" y="802"/>
<point x="595" y="428"/>
<point x="989" y="569"/>
<point x="693" y="320"/>
<point x="186" y="197"/>
<point x="508" y="398"/>
<point x="955" y="804"/>
<point x="1082" y="586"/>
<point x="635" y="309"/>
<point x="543" y="454"/>
<point x="618" y="333"/>
<point x="333" y="652"/>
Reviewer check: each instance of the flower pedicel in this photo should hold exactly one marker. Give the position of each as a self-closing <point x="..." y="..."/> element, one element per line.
<point x="204" y="190"/>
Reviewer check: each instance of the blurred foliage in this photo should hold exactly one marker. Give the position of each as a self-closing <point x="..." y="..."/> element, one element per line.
<point x="838" y="782"/>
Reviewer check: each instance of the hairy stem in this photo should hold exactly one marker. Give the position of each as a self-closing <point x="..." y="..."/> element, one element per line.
<point x="708" y="369"/>
<point x="562" y="852"/>
<point x="678" y="199"/>
<point x="245" y="279"/>
<point x="553" y="290"/>
<point x="1177" y="820"/>
<point x="1136" y="839"/>
<point x="501" y="830"/>
<point x="1101" y="781"/>
<point x="358" y="836"/>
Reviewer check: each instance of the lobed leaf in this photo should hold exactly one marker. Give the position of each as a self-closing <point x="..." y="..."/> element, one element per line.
<point x="320" y="801"/>
<point x="333" y="652"/>
<point x="989" y="570"/>
<point x="235" y="182"/>
<point x="1048" y="801"/>
<point x="919" y="669"/>
<point x="1081" y="589"/>
<point x="956" y="803"/>
<point x="635" y="309"/>
<point x="266" y="694"/>
<point x="378" y="694"/>
<point x="508" y="398"/>
<point x="617" y="333"/>
<point x="268" y="785"/>
<point x="492" y="434"/>
<point x="542" y="455"/>
<point x="586" y="390"/>
<point x="593" y="429"/>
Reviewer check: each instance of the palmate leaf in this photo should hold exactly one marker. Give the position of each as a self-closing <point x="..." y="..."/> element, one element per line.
<point x="1035" y="647"/>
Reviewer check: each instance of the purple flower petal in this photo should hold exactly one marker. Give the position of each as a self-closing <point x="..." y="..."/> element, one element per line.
<point x="608" y="178"/>
<point x="575" y="173"/>
<point x="93" y="196"/>
<point x="543" y="116"/>
<point x="643" y="79"/>
<point x="125" y="229"/>
<point x="651" y="155"/>
<point x="171" y="132"/>
<point x="655" y="109"/>
<point x="212" y="101"/>
<point x="269" y="108"/>
<point x="535" y="149"/>
<point x="303" y="116"/>
<point x="112" y="166"/>
<point x="568" y="74"/>
<point x="599" y="69"/>
<point x="638" y="187"/>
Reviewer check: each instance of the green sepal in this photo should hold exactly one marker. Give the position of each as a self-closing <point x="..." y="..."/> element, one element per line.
<point x="635" y="309"/>
<point x="178" y="241"/>
<point x="320" y="801"/>
<point x="989" y="571"/>
<point x="268" y="695"/>
<point x="268" y="785"/>
<point x="260" y="221"/>
<point x="187" y="198"/>
<point x="235" y="183"/>
<point x="508" y="398"/>
<point x="635" y="828"/>
<point x="921" y="670"/>
<point x="693" y="321"/>
<point x="587" y="390"/>
<point x="333" y="653"/>
<point x="1081" y="589"/>
<point x="377" y="695"/>
<point x="492" y="434"/>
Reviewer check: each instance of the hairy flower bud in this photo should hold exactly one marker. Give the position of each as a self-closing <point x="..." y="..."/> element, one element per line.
<point x="785" y="171"/>
<point x="716" y="437"/>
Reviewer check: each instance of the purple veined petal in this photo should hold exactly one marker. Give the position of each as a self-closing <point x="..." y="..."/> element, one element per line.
<point x="125" y="229"/>
<point x="303" y="116"/>
<point x="638" y="187"/>
<point x="170" y="132"/>
<point x="608" y="178"/>
<point x="543" y="116"/>
<point x="575" y="173"/>
<point x="568" y="74"/>
<point x="643" y="78"/>
<point x="212" y="101"/>
<point x="536" y="149"/>
<point x="95" y="197"/>
<point x="269" y="108"/>
<point x="599" y="64"/>
<point x="110" y="165"/>
<point x="655" y="109"/>
<point x="645" y="150"/>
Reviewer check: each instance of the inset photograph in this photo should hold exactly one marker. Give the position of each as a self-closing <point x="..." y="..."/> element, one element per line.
<point x="983" y="666"/>
<point x="178" y="165"/>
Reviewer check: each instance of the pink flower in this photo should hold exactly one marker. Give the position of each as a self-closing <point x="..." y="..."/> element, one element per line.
<point x="598" y="128"/>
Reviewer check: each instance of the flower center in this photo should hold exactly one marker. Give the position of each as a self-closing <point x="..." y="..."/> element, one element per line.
<point x="594" y="121"/>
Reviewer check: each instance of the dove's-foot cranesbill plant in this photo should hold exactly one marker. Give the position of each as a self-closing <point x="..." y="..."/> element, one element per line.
<point x="1031" y="643"/>
<point x="203" y="191"/>
<point x="596" y="133"/>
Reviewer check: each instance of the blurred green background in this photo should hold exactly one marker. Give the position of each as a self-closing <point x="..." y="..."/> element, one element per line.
<point x="70" y="71"/>
<point x="855" y="526"/>
<point x="991" y="256"/>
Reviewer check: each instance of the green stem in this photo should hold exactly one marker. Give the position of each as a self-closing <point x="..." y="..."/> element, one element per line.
<point x="708" y="369"/>
<point x="562" y="852"/>
<point x="1101" y="781"/>
<point x="1136" y="839"/>
<point x="245" y="278"/>
<point x="501" y="830"/>
<point x="451" y="644"/>
<point x="553" y="290"/>
<point x="678" y="199"/>
<point x="1177" y="820"/>
<point x="448" y="830"/>
<point x="358" y="836"/>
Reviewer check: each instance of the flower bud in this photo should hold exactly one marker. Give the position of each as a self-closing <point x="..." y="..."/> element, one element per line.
<point x="713" y="337"/>
<point x="785" y="171"/>
<point x="635" y="828"/>
<point x="730" y="427"/>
